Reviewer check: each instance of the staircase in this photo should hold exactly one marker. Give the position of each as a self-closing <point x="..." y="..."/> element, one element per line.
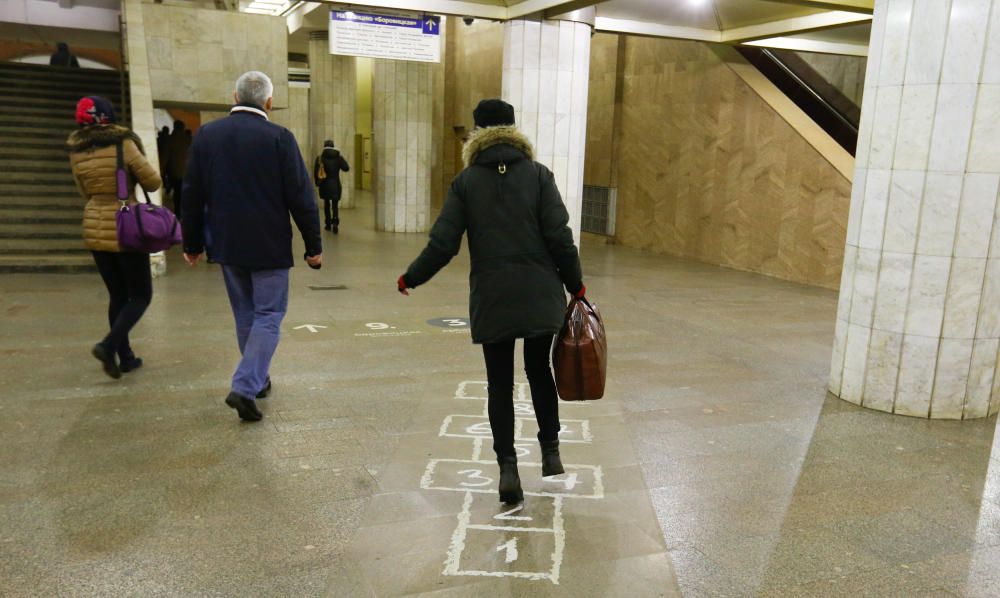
<point x="41" y="212"/>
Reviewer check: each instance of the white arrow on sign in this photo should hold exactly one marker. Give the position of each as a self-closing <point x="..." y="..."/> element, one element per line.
<point x="309" y="327"/>
<point x="431" y="24"/>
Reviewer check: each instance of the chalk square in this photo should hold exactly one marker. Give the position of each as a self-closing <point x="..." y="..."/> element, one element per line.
<point x="471" y="389"/>
<point x="482" y="477"/>
<point x="471" y="426"/>
<point x="573" y="430"/>
<point x="490" y="553"/>
<point x="536" y="515"/>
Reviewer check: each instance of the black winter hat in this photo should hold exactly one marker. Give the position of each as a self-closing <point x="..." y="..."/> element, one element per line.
<point x="493" y="113"/>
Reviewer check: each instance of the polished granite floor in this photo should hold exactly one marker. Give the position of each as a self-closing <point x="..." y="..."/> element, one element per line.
<point x="715" y="466"/>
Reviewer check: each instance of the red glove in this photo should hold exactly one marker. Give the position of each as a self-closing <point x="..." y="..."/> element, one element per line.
<point x="401" y="285"/>
<point x="581" y="293"/>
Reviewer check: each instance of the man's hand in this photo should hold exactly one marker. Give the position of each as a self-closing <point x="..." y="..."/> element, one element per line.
<point x="192" y="258"/>
<point x="315" y="261"/>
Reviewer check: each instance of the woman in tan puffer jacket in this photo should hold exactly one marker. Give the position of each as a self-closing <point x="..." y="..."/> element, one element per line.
<point x="93" y="155"/>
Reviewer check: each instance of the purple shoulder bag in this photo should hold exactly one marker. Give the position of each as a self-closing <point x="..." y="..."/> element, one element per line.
<point x="144" y="227"/>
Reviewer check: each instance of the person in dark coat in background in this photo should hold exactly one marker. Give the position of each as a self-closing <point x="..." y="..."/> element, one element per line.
<point x="523" y="255"/>
<point x="245" y="177"/>
<point x="178" y="145"/>
<point x="63" y="57"/>
<point x="162" y="137"/>
<point x="330" y="189"/>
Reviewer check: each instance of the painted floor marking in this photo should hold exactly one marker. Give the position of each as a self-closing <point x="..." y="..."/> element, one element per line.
<point x="477" y="476"/>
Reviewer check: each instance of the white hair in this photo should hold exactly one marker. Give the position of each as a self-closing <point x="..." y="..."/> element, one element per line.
<point x="254" y="87"/>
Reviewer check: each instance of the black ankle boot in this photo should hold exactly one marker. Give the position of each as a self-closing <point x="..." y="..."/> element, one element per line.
<point x="510" y="482"/>
<point x="108" y="359"/>
<point x="551" y="463"/>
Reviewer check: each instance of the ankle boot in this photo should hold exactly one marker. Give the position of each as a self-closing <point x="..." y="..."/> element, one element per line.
<point x="510" y="482"/>
<point x="551" y="463"/>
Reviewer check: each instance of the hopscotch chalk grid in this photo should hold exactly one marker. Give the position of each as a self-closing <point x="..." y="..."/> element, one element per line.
<point x="475" y="546"/>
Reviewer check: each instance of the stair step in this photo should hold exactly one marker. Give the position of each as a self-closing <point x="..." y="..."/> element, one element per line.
<point x="39" y="216"/>
<point x="55" y="175"/>
<point x="27" y="246"/>
<point x="49" y="204"/>
<point x="8" y="134"/>
<point x="70" y="263"/>
<point x="57" y="163"/>
<point x="34" y="110"/>
<point x="28" y="190"/>
<point x="65" y="94"/>
<point x="62" y="103"/>
<point x="48" y="121"/>
<point x="41" y="231"/>
<point x="55" y="154"/>
<point x="44" y="70"/>
<point x="42" y="83"/>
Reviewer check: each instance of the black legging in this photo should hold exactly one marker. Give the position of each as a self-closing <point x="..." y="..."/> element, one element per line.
<point x="500" y="377"/>
<point x="331" y="209"/>
<point x="130" y="287"/>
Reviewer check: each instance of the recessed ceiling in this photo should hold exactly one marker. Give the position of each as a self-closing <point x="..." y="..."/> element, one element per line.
<point x="703" y="14"/>
<point x="727" y="21"/>
<point x="858" y="34"/>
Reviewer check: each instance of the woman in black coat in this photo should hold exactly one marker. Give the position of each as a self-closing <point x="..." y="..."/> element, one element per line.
<point x="329" y="187"/>
<point x="523" y="256"/>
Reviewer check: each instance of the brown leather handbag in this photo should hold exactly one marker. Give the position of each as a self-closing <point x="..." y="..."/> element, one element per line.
<point x="580" y="356"/>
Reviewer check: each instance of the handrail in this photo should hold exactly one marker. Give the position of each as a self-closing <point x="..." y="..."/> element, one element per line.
<point x="827" y="115"/>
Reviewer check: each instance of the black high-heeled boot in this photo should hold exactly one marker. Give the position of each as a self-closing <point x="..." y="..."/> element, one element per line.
<point x="551" y="463"/>
<point x="510" y="481"/>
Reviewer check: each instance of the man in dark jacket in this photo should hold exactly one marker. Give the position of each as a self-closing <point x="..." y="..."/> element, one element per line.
<point x="329" y="184"/>
<point x="522" y="255"/>
<point x="63" y="57"/>
<point x="244" y="178"/>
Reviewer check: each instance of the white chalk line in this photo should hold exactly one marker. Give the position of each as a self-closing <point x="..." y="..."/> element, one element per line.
<point x="451" y="563"/>
<point x="560" y="538"/>
<point x="510" y="528"/>
<point x="519" y="422"/>
<point x="477" y="449"/>
<point x="457" y="547"/>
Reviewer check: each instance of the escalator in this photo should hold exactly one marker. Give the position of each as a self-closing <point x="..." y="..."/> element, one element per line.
<point x="827" y="105"/>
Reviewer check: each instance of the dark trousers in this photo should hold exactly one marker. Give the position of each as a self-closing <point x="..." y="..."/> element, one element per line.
<point x="500" y="381"/>
<point x="331" y="210"/>
<point x="177" y="188"/>
<point x="130" y="287"/>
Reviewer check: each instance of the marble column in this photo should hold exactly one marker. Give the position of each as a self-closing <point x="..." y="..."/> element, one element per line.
<point x="402" y="114"/>
<point x="546" y="76"/>
<point x="918" y="323"/>
<point x="333" y="84"/>
<point x="140" y="100"/>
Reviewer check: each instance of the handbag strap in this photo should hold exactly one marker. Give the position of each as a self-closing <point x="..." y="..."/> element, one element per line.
<point x="121" y="175"/>
<point x="121" y="178"/>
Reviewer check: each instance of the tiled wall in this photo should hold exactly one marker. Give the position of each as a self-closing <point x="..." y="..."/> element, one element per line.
<point x="546" y="78"/>
<point x="918" y="327"/>
<point x="708" y="170"/>
<point x="332" y="108"/>
<point x="599" y="159"/>
<point x="296" y="119"/>
<point x="195" y="56"/>
<point x="473" y="71"/>
<point x="403" y="144"/>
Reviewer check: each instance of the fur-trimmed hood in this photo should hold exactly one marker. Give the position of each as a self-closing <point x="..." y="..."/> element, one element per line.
<point x="484" y="138"/>
<point x="96" y="136"/>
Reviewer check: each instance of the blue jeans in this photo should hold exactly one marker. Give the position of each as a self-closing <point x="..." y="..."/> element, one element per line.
<point x="259" y="299"/>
